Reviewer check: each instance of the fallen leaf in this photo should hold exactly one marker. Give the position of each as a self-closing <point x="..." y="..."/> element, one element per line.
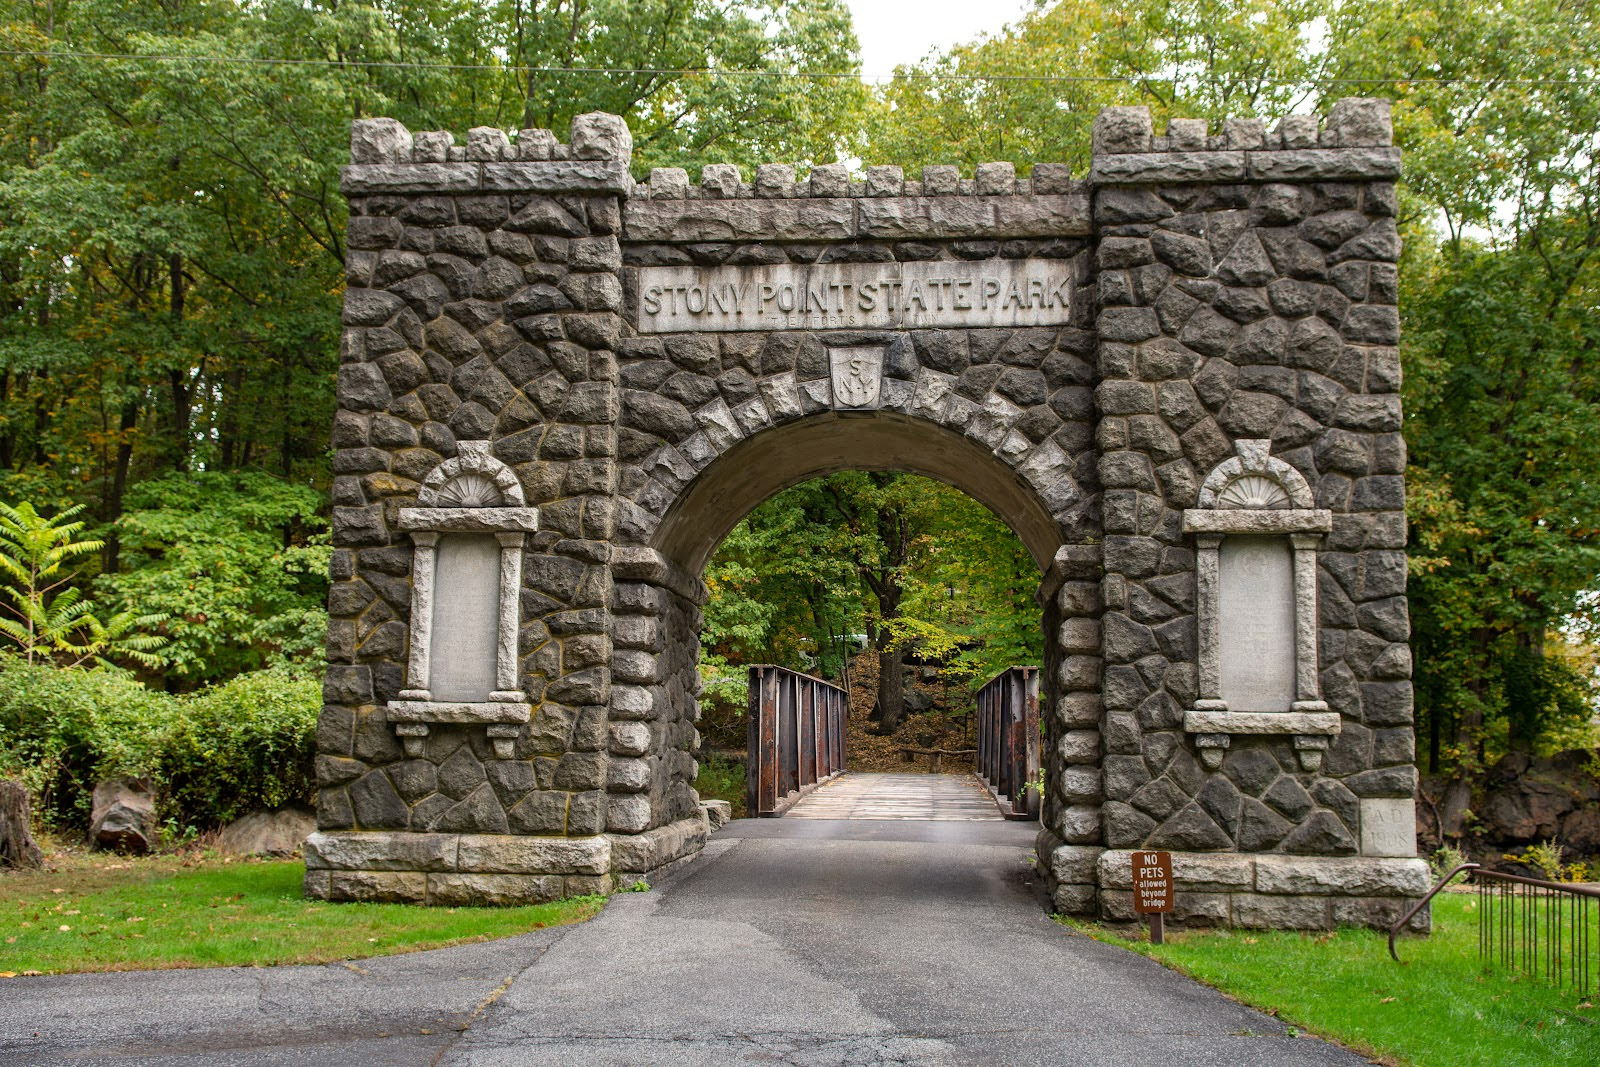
<point x="1386" y="1000"/>
<point x="8" y="974"/>
<point x="58" y="890"/>
<point x="63" y="926"/>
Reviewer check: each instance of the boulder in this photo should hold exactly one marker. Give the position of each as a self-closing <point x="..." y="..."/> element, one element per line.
<point x="268" y="833"/>
<point x="123" y="815"/>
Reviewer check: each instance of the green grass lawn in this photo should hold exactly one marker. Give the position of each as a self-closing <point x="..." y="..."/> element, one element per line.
<point x="1442" y="1008"/>
<point x="118" y="915"/>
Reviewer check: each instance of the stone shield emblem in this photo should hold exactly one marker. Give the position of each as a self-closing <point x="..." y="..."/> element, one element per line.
<point x="857" y="375"/>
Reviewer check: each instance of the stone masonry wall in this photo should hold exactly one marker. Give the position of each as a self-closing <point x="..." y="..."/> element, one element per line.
<point x="1224" y="287"/>
<point x="482" y="303"/>
<point x="1247" y="290"/>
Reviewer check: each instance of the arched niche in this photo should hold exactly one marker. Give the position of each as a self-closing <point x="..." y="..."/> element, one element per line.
<point x="465" y="577"/>
<point x="1256" y="532"/>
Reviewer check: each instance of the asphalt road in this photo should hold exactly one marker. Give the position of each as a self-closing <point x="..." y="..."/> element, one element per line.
<point x="806" y="942"/>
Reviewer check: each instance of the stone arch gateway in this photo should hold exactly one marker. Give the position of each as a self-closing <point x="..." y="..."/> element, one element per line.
<point x="1176" y="378"/>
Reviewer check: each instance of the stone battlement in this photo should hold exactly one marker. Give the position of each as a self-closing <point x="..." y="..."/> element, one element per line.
<point x="1354" y="143"/>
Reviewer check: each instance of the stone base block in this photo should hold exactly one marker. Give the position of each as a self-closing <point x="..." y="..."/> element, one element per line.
<point x="1271" y="891"/>
<point x="494" y="889"/>
<point x="718" y="814"/>
<point x="636" y="855"/>
<point x="454" y="869"/>
<point x="1074" y="899"/>
<point x="1069" y="873"/>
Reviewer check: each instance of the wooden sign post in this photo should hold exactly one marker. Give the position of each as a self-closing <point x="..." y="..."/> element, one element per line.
<point x="1152" y="889"/>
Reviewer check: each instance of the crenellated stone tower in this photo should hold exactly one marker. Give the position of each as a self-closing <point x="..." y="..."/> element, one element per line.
<point x="1177" y="379"/>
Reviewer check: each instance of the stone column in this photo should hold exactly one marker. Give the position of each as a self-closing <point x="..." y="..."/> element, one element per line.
<point x="1247" y="286"/>
<point x="482" y="306"/>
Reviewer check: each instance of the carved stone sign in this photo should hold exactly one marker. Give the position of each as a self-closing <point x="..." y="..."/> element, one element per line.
<point x="822" y="296"/>
<point x="466" y="613"/>
<point x="857" y="373"/>
<point x="1388" y="826"/>
<point x="1256" y="624"/>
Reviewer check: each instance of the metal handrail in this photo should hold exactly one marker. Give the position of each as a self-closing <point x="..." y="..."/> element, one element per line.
<point x="1542" y="944"/>
<point x="1394" y="931"/>
<point x="1008" y="740"/>
<point x="796" y="737"/>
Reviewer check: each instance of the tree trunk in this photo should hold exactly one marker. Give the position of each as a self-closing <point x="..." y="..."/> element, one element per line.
<point x="891" y="688"/>
<point x="111" y="554"/>
<point x="17" y="847"/>
<point x="232" y="399"/>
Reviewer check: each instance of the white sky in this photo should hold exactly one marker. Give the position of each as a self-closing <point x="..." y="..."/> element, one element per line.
<point x="903" y="31"/>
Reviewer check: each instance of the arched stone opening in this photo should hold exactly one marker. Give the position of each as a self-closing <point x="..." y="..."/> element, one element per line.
<point x="757" y="467"/>
<point x="659" y="590"/>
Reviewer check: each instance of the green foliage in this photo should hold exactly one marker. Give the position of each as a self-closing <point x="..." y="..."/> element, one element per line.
<point x="247" y="743"/>
<point x="52" y="620"/>
<point x="1545" y="860"/>
<point x="1182" y="58"/>
<point x="211" y="755"/>
<point x="722" y="779"/>
<point x="1445" y="859"/>
<point x="238" y="563"/>
<point x="1500" y="212"/>
<point x="63" y="730"/>
<point x="798" y="580"/>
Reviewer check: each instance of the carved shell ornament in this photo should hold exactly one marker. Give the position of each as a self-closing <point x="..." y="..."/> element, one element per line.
<point x="467" y="491"/>
<point x="1253" y="492"/>
<point x="1254" y="480"/>
<point x="471" y="479"/>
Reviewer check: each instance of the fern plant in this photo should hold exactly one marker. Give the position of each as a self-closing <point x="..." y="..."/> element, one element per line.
<point x="52" y="620"/>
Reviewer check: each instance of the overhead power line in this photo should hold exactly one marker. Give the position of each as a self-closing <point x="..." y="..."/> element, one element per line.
<point x="908" y="75"/>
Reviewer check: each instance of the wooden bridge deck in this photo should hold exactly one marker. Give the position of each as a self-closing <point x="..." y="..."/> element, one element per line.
<point x="929" y="797"/>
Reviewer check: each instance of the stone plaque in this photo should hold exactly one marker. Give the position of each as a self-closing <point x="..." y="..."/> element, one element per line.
<point x="1388" y="826"/>
<point x="466" y="618"/>
<point x="856" y="296"/>
<point x="1256" y="635"/>
<point x="857" y="373"/>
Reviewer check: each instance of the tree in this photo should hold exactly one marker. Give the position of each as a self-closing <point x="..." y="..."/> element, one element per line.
<point x="171" y="230"/>
<point x="52" y="620"/>
<point x="1502" y="390"/>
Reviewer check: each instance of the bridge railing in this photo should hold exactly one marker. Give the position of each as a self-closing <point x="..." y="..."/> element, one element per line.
<point x="1008" y="740"/>
<point x="796" y="737"/>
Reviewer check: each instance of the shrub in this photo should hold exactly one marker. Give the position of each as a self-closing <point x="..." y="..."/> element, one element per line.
<point x="722" y="779"/>
<point x="61" y="731"/>
<point x="212" y="755"/>
<point x="247" y="743"/>
<point x="1445" y="859"/>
